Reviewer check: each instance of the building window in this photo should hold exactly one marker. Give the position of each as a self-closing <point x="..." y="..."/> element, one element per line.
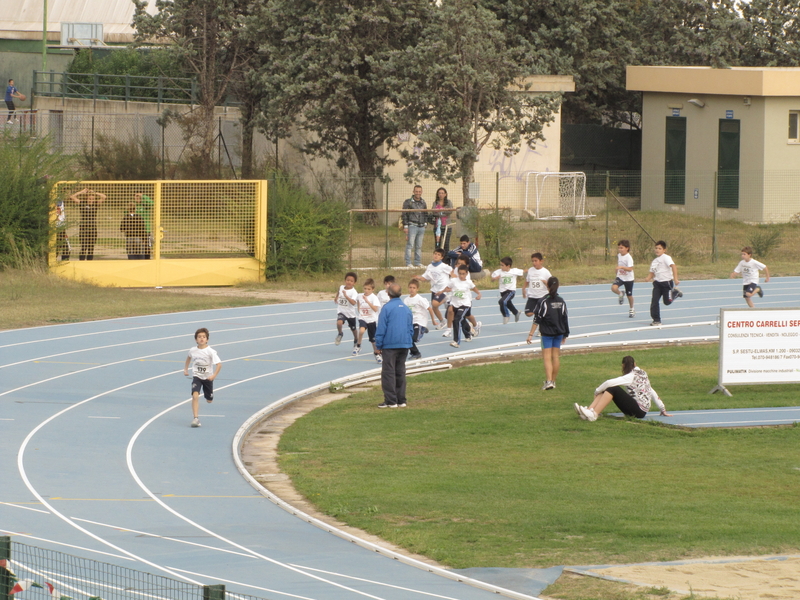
<point x="794" y="126"/>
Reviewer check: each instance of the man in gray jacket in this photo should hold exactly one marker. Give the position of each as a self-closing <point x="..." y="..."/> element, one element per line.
<point x="414" y="225"/>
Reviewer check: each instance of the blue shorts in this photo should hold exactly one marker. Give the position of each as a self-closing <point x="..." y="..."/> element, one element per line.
<point x="438" y="297"/>
<point x="628" y="285"/>
<point x="552" y="341"/>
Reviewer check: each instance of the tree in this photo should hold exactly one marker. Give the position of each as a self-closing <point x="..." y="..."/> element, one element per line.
<point x="331" y="70"/>
<point x="470" y="93"/>
<point x="774" y="39"/>
<point x="203" y="34"/>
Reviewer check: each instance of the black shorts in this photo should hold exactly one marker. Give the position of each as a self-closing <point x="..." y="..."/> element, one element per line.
<point x="531" y="304"/>
<point x="628" y="285"/>
<point x="370" y="327"/>
<point x="205" y="385"/>
<point x="351" y="321"/>
<point x="750" y="288"/>
<point x="626" y="403"/>
<point x="438" y="297"/>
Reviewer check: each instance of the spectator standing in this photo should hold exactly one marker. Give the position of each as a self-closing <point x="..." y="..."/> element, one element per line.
<point x="414" y="225"/>
<point x="132" y="227"/>
<point x="88" y="202"/>
<point x="393" y="339"/>
<point x="443" y="208"/>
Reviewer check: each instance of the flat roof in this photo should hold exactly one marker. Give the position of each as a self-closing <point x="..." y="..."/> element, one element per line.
<point x="735" y="81"/>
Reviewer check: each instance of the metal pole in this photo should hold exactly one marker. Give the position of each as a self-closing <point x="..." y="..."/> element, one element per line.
<point x="497" y="208"/>
<point x="714" y="221"/>
<point x="608" y="238"/>
<point x="92" y="159"/>
<point x="44" y="35"/>
<point x="386" y="227"/>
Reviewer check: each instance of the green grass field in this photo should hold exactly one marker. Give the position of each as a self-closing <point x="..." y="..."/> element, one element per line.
<point x="484" y="469"/>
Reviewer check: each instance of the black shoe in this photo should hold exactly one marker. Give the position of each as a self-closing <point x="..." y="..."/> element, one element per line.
<point x="384" y="405"/>
<point x="415" y="356"/>
<point x="760" y="292"/>
<point x="655" y="323"/>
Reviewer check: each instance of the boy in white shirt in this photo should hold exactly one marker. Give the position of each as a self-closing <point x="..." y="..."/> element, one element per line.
<point x="624" y="275"/>
<point x="346" y="299"/>
<point x="368" y="308"/>
<point x="508" y="288"/>
<point x="749" y="268"/>
<point x="536" y="277"/>
<point x="438" y="273"/>
<point x="206" y="366"/>
<point x="420" y="309"/>
<point x="461" y="302"/>
<point x="383" y="295"/>
<point x="664" y="275"/>
<point x="475" y="325"/>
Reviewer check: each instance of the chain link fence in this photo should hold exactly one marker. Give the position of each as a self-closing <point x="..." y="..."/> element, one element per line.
<point x="41" y="574"/>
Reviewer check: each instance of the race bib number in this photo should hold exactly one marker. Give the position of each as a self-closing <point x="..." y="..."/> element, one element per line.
<point x="536" y="284"/>
<point x="459" y="294"/>
<point x="506" y="280"/>
<point x="343" y="301"/>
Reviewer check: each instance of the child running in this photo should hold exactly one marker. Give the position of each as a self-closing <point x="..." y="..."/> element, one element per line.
<point x="206" y="366"/>
<point x="664" y="275"/>
<point x="624" y="275"/>
<point x="461" y="302"/>
<point x="749" y="268"/>
<point x="420" y="309"/>
<point x="438" y="273"/>
<point x="383" y="295"/>
<point x="474" y="325"/>
<point x="508" y="288"/>
<point x="346" y="299"/>
<point x="368" y="308"/>
<point x="537" y="284"/>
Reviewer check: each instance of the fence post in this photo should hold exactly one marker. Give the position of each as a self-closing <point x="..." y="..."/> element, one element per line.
<point x="608" y="206"/>
<point x="6" y="581"/>
<point x="214" y="592"/>
<point x="386" y="227"/>
<point x="497" y="208"/>
<point x="350" y="249"/>
<point x="714" y="221"/>
<point x="91" y="160"/>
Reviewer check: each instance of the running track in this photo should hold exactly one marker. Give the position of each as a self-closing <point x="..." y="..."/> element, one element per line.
<point x="99" y="459"/>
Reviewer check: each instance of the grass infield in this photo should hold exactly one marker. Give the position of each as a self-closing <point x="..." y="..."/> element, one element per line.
<point x="484" y="469"/>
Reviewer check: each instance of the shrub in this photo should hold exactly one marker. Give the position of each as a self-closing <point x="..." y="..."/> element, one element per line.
<point x="114" y="159"/>
<point x="493" y="230"/>
<point x="306" y="234"/>
<point x="764" y="239"/>
<point x="27" y="173"/>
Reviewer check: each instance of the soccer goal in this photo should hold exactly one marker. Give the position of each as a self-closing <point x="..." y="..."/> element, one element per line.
<point x="550" y="195"/>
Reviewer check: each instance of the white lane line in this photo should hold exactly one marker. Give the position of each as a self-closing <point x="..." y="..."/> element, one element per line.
<point x="163" y="537"/>
<point x="233" y="595"/>
<point x="92" y="417"/>
<point x="123" y="330"/>
<point x="397" y="587"/>
<point x="39" y="510"/>
<point x="140" y="483"/>
<point x="73" y="546"/>
<point x="137" y="358"/>
<point x="161" y="339"/>
<point x="29" y="485"/>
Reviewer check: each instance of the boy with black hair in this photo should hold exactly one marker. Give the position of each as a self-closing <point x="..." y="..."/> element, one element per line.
<point x="664" y="275"/>
<point x="469" y="251"/>
<point x="206" y="366"/>
<point x="420" y="309"/>
<point x="749" y="268"/>
<point x="536" y="289"/>
<point x="461" y="302"/>
<point x="508" y="287"/>
<point x="368" y="308"/>
<point x="624" y="277"/>
<point x="346" y="299"/>
<point x="383" y="295"/>
<point x="438" y="273"/>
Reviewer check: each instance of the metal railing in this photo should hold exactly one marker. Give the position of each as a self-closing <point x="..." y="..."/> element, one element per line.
<point x="129" y="88"/>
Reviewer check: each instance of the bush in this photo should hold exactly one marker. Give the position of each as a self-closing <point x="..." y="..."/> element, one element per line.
<point x="306" y="234"/>
<point x="493" y="230"/>
<point x="27" y="173"/>
<point x="764" y="240"/>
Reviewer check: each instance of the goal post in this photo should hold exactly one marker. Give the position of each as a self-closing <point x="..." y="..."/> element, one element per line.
<point x="556" y="195"/>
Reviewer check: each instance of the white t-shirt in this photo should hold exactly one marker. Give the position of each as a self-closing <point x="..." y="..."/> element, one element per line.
<point x="749" y="270"/>
<point x="625" y="261"/>
<point x="462" y="294"/>
<point x="438" y="275"/>
<point x="365" y="312"/>
<point x="383" y="297"/>
<point x="345" y="308"/>
<point x="661" y="268"/>
<point x="536" y="278"/>
<point x="203" y="361"/>
<point x="508" y="279"/>
<point x="419" y="306"/>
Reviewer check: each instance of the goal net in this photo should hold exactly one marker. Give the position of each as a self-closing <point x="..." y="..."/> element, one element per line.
<point x="551" y="195"/>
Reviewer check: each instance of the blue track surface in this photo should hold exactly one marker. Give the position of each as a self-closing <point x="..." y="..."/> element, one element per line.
<point x="99" y="459"/>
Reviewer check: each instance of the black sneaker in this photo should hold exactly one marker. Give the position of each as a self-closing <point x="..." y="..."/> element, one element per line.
<point x="655" y="323"/>
<point x="677" y="293"/>
<point x="760" y="292"/>
<point x="415" y="356"/>
<point x="384" y="405"/>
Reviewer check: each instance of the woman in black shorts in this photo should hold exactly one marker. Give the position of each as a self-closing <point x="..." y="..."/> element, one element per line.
<point x="631" y="393"/>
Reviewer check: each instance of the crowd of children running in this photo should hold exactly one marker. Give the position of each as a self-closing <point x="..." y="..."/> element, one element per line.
<point x="452" y="293"/>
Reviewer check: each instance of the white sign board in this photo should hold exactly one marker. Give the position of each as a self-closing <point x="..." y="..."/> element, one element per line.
<point x="759" y="346"/>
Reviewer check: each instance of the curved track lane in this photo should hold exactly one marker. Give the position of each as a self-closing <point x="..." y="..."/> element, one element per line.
<point x="100" y="460"/>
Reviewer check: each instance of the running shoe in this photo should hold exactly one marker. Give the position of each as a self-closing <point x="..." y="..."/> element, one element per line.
<point x="579" y="412"/>
<point x="760" y="292"/>
<point x="378" y="358"/>
<point x="505" y="320"/>
<point x="447" y="332"/>
<point x="621" y="297"/>
<point x="631" y="313"/>
<point x="454" y="344"/>
<point x="338" y="339"/>
<point x="477" y="329"/>
<point x="195" y="422"/>
<point x="356" y="350"/>
<point x="676" y="293"/>
<point x="516" y="317"/>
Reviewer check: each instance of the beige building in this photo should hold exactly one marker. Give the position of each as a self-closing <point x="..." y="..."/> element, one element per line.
<point x="724" y="138"/>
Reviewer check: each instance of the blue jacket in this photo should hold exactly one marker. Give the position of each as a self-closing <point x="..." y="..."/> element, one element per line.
<point x="395" y="326"/>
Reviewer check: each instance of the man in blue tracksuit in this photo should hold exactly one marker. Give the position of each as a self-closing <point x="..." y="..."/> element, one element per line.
<point x="393" y="338"/>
